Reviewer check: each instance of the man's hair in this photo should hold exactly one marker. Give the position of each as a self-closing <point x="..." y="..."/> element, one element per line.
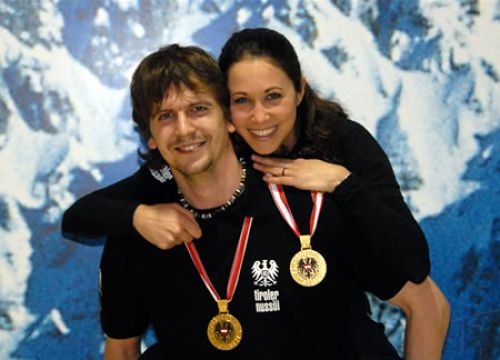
<point x="172" y="68"/>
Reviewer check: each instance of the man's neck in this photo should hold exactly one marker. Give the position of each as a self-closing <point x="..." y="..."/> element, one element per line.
<point x="212" y="188"/>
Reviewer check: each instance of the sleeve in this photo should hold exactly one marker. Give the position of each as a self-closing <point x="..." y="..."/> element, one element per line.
<point x="371" y="201"/>
<point x="122" y="312"/>
<point x="108" y="211"/>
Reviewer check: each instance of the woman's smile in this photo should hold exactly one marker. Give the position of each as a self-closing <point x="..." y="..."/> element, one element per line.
<point x="263" y="134"/>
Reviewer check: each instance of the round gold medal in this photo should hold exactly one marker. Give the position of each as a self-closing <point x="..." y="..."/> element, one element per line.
<point x="308" y="267"/>
<point x="224" y="331"/>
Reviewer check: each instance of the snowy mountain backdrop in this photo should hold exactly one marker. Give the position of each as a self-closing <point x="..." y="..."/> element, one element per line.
<point x="421" y="75"/>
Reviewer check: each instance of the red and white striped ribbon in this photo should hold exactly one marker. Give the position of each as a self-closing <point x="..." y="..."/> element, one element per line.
<point x="279" y="198"/>
<point x="235" y="267"/>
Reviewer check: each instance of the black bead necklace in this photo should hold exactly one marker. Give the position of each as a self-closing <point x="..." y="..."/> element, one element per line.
<point x="210" y="213"/>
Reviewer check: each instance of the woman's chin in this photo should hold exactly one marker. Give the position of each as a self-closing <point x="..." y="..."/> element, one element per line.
<point x="263" y="153"/>
<point x="279" y="152"/>
<point x="264" y="150"/>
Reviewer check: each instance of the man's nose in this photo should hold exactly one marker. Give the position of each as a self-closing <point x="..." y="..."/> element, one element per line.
<point x="184" y="124"/>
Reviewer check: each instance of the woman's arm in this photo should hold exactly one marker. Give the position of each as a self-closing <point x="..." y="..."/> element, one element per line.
<point x="366" y="191"/>
<point x="166" y="225"/>
<point x="427" y="314"/>
<point x="120" y="209"/>
<point x="99" y="214"/>
<point x="305" y="174"/>
<point x="374" y="211"/>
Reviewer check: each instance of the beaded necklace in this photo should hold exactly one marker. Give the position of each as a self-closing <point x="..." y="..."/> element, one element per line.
<point x="210" y="213"/>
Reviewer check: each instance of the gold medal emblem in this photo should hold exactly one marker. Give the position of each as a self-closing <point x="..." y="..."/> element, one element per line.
<point x="307" y="267"/>
<point x="224" y="330"/>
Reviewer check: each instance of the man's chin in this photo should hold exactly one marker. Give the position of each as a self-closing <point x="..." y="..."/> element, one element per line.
<point x="192" y="169"/>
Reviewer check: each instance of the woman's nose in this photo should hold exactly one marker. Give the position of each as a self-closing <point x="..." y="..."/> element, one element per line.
<point x="259" y="113"/>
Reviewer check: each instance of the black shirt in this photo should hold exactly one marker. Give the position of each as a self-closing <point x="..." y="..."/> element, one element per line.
<point x="366" y="233"/>
<point x="370" y="199"/>
<point x="142" y="284"/>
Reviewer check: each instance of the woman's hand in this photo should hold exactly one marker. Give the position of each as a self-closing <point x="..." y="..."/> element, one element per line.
<point x="305" y="174"/>
<point x="166" y="225"/>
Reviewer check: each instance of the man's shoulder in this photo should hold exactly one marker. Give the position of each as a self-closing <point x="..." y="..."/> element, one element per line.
<point x="151" y="186"/>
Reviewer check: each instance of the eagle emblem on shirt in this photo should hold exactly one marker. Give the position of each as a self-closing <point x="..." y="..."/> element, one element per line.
<point x="265" y="272"/>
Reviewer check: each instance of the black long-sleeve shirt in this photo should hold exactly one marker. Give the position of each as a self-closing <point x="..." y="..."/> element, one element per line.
<point x="369" y="199"/>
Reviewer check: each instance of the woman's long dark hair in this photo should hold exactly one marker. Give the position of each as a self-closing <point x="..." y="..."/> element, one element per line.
<point x="316" y="117"/>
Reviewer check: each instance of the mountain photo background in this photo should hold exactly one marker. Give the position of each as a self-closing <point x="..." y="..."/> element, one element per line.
<point x="421" y="76"/>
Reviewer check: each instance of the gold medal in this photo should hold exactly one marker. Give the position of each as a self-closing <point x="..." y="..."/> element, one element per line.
<point x="224" y="330"/>
<point x="307" y="267"/>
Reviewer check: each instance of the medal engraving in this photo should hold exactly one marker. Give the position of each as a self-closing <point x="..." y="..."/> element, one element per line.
<point x="307" y="267"/>
<point x="224" y="330"/>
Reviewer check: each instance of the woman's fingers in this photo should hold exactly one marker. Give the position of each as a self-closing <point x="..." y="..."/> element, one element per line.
<point x="273" y="166"/>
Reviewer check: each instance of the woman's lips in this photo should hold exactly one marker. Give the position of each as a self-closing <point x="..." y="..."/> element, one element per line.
<point x="263" y="133"/>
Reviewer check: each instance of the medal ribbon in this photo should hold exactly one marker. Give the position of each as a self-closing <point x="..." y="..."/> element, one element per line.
<point x="279" y="198"/>
<point x="235" y="267"/>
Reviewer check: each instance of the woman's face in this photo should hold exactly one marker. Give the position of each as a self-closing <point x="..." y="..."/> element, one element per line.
<point x="263" y="104"/>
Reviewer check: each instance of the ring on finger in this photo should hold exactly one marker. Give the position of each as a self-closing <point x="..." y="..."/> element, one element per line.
<point x="283" y="171"/>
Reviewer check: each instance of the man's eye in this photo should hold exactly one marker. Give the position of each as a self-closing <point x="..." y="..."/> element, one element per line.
<point x="165" y="116"/>
<point x="199" y="108"/>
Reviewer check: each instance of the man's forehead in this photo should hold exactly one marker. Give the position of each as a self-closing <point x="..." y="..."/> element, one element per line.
<point x="185" y="94"/>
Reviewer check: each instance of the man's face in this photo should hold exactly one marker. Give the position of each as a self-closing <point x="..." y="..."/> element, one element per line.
<point x="190" y="131"/>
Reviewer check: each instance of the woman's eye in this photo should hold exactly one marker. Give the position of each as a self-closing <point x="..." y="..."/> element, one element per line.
<point x="273" y="96"/>
<point x="241" y="100"/>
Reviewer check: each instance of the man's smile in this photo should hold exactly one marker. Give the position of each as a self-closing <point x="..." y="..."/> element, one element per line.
<point x="190" y="147"/>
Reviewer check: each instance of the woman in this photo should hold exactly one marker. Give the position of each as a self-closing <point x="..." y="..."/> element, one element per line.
<point x="276" y="112"/>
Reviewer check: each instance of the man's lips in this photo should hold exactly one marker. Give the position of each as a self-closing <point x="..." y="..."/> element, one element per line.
<point x="191" y="147"/>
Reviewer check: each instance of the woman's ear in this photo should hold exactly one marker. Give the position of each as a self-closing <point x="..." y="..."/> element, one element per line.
<point x="152" y="143"/>
<point x="300" y="95"/>
<point x="230" y="127"/>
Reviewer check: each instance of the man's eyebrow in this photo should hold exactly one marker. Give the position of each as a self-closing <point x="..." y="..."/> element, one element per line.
<point x="194" y="102"/>
<point x="201" y="101"/>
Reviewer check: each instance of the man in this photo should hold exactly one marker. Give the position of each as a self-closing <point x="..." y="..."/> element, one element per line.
<point x="231" y="294"/>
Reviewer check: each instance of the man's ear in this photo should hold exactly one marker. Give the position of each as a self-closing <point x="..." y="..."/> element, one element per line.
<point x="300" y="95"/>
<point x="152" y="143"/>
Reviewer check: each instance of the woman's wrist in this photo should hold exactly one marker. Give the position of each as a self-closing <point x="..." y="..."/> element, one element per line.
<point x="138" y="215"/>
<point x="339" y="178"/>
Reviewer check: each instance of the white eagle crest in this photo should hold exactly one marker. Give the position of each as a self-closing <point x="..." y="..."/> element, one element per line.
<point x="264" y="273"/>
